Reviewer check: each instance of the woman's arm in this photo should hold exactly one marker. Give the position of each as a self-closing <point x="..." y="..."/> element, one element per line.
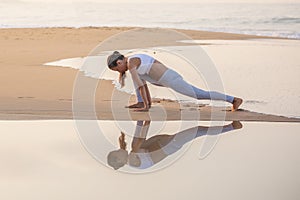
<point x="144" y="95"/>
<point x="143" y="89"/>
<point x="148" y="96"/>
<point x="140" y="135"/>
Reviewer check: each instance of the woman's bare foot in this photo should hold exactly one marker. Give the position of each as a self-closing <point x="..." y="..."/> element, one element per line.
<point x="237" y="125"/>
<point x="236" y="103"/>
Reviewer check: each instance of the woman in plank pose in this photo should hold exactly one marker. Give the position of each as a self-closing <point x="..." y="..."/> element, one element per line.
<point x="146" y="152"/>
<point x="146" y="68"/>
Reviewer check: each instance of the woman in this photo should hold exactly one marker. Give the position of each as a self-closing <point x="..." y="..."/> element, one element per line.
<point x="147" y="152"/>
<point x="145" y="68"/>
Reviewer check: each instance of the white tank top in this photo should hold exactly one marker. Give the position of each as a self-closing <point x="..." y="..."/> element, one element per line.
<point x="146" y="160"/>
<point x="146" y="63"/>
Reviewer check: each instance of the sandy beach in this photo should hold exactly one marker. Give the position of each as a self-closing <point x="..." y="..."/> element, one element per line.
<point x="66" y="133"/>
<point x="47" y="154"/>
<point x="30" y="90"/>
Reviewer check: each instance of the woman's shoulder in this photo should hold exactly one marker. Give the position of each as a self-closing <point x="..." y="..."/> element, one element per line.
<point x="133" y="62"/>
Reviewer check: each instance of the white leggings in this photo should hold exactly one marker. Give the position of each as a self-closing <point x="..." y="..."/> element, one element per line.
<point x="188" y="135"/>
<point x="173" y="80"/>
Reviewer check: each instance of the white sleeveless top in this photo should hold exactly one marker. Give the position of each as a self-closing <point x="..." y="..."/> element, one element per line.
<point x="146" y="63"/>
<point x="146" y="160"/>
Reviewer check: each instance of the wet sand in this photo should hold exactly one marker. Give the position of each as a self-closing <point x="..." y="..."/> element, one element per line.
<point x="30" y="108"/>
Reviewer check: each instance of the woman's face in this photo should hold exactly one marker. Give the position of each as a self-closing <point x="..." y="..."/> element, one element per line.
<point x="121" y="66"/>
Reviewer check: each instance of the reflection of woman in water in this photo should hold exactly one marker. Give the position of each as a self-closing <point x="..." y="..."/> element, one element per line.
<point x="145" y="68"/>
<point x="147" y="152"/>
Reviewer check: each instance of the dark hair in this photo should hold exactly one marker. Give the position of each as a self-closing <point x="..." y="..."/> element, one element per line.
<point x="114" y="63"/>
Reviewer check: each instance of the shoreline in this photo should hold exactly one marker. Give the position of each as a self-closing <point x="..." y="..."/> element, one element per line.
<point x="194" y="34"/>
<point x="207" y="35"/>
<point x="33" y="91"/>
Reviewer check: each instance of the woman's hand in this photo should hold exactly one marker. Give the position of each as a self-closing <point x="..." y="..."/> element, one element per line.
<point x="144" y="109"/>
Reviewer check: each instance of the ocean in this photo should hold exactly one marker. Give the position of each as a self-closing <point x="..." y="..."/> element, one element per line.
<point x="282" y="20"/>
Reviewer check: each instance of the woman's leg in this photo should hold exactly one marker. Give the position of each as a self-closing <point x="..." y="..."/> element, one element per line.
<point x="174" y="81"/>
<point x="185" y="136"/>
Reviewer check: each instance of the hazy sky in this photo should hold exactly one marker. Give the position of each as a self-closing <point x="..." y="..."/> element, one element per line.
<point x="171" y="1"/>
